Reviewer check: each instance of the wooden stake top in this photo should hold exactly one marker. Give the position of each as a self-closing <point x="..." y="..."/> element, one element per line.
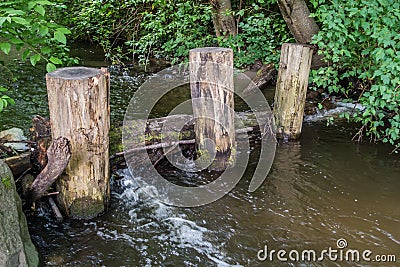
<point x="209" y="50"/>
<point x="74" y="73"/>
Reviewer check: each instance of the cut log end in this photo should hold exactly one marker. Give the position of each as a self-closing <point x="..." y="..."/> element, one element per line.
<point x="75" y="73"/>
<point x="209" y="50"/>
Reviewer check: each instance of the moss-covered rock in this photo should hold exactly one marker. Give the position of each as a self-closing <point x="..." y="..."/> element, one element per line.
<point x="16" y="247"/>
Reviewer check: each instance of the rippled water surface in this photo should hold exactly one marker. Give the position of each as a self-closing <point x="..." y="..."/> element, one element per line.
<point x="320" y="189"/>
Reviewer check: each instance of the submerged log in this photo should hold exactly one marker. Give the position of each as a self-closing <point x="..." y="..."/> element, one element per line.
<point x="291" y="89"/>
<point x="160" y="134"/>
<point x="79" y="111"/>
<point x="212" y="91"/>
<point x="264" y="76"/>
<point x="58" y="156"/>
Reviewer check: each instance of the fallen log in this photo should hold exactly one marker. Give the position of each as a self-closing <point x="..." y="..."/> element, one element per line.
<point x="58" y="156"/>
<point x="163" y="132"/>
<point x="263" y="77"/>
<point x="19" y="164"/>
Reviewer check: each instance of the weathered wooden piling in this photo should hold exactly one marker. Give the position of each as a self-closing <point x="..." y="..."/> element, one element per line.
<point x="291" y="89"/>
<point x="212" y="91"/>
<point x="79" y="106"/>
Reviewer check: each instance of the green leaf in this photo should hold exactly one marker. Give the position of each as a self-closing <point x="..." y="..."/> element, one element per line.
<point x="34" y="59"/>
<point x="15" y="12"/>
<point x="5" y="47"/>
<point x="50" y="67"/>
<point x="19" y="20"/>
<point x="46" y="50"/>
<point x="2" y="20"/>
<point x="25" y="54"/>
<point x="31" y="5"/>
<point x="3" y="89"/>
<point x="44" y="3"/>
<point x="39" y="9"/>
<point x="16" y="41"/>
<point x="63" y="30"/>
<point x="55" y="60"/>
<point x="60" y="37"/>
<point x="1" y="105"/>
<point x="43" y="30"/>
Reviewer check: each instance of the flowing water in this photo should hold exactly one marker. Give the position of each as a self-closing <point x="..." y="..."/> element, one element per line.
<point x="321" y="189"/>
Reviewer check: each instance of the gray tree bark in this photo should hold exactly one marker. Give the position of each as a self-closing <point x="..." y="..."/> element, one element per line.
<point x="224" y="23"/>
<point x="301" y="25"/>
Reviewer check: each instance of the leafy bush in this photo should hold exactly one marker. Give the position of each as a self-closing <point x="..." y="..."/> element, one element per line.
<point x="259" y="38"/>
<point x="361" y="41"/>
<point x="143" y="29"/>
<point x="25" y="27"/>
<point x="170" y="30"/>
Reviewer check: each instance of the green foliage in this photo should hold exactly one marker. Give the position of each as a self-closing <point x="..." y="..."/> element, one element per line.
<point x="259" y="37"/>
<point x="24" y="26"/>
<point x="361" y="41"/>
<point x="170" y="30"/>
<point x="144" y="29"/>
<point x="5" y="100"/>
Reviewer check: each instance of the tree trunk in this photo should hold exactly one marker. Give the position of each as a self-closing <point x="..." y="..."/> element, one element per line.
<point x="224" y="23"/>
<point x="80" y="111"/>
<point x="301" y="25"/>
<point x="291" y="89"/>
<point x="211" y="85"/>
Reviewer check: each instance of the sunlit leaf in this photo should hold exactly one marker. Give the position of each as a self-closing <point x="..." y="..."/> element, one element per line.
<point x="5" y="47"/>
<point x="40" y="9"/>
<point x="60" y="37"/>
<point x="35" y="59"/>
<point x="50" y="67"/>
<point x="19" y="20"/>
<point x="55" y="60"/>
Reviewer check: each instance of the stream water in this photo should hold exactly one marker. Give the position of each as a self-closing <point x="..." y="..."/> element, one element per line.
<point x="321" y="189"/>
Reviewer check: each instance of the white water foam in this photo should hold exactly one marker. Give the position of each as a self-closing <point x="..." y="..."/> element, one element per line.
<point x="168" y="225"/>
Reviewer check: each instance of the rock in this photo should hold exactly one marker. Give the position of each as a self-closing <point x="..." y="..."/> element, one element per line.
<point x="16" y="247"/>
<point x="14" y="134"/>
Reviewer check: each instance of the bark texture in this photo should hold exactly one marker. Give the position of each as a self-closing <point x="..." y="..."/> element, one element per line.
<point x="291" y="89"/>
<point x="80" y="111"/>
<point x="297" y="17"/>
<point x="224" y="23"/>
<point x="58" y="156"/>
<point x="212" y="91"/>
<point x="301" y="25"/>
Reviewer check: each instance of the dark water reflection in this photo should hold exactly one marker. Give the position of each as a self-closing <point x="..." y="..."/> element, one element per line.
<point x="319" y="190"/>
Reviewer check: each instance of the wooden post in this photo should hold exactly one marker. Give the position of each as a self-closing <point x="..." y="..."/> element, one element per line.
<point x="79" y="106"/>
<point x="211" y="85"/>
<point x="291" y="89"/>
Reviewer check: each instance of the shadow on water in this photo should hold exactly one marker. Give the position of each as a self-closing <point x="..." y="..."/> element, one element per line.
<point x="319" y="190"/>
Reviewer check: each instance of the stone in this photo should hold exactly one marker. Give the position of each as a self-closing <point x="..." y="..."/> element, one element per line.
<point x="16" y="247"/>
<point x="14" y="134"/>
